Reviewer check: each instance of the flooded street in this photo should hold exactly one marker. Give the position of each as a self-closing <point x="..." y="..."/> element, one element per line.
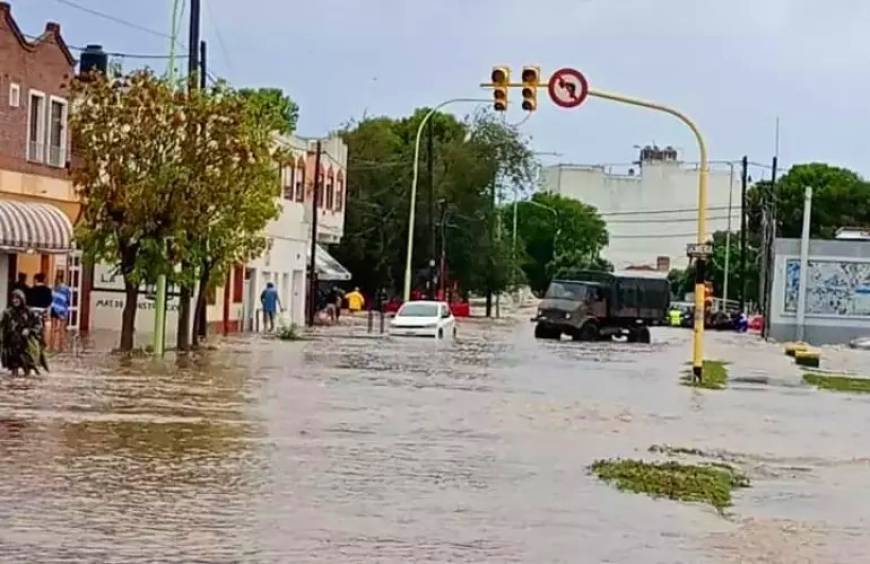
<point x="369" y="450"/>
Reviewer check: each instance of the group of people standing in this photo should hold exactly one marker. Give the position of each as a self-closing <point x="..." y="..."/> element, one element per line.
<point x="32" y="310"/>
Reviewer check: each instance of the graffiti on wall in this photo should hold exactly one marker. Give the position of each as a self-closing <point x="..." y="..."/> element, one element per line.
<point x="833" y="287"/>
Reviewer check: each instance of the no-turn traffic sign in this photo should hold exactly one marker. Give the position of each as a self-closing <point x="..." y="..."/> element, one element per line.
<point x="568" y="88"/>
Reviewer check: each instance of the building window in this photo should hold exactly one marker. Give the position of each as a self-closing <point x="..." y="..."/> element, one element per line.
<point x="300" y="181"/>
<point x="36" y="127"/>
<point x="330" y="191"/>
<point x="57" y="133"/>
<point x="321" y="189"/>
<point x="14" y="95"/>
<point x="339" y="193"/>
<point x="238" y="284"/>
<point x="288" y="175"/>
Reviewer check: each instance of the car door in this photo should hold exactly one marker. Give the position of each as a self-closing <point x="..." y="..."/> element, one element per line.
<point x="447" y="320"/>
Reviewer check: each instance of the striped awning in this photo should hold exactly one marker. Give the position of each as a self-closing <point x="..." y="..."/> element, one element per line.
<point x="32" y="227"/>
<point x="328" y="267"/>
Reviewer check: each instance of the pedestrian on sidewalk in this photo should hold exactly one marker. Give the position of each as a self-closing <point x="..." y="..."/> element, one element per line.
<point x="39" y="300"/>
<point x="336" y="297"/>
<point x="271" y="303"/>
<point x="61" y="299"/>
<point x="21" y="284"/>
<point x="21" y="344"/>
<point x="355" y="301"/>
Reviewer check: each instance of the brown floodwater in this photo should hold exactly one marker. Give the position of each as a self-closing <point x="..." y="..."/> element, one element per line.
<point x="347" y="449"/>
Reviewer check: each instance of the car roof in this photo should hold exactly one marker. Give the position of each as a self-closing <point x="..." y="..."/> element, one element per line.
<point x="426" y="302"/>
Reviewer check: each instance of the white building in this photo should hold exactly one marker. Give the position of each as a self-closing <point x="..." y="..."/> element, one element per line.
<point x="286" y="260"/>
<point x="650" y="208"/>
<point x="235" y="305"/>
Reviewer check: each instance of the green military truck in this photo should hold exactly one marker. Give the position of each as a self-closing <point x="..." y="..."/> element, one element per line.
<point x="595" y="306"/>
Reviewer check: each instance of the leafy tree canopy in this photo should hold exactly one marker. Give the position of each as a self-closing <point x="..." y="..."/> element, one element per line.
<point x="273" y="108"/>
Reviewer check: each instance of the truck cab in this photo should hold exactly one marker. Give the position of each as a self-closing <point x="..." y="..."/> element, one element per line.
<point x="592" y="306"/>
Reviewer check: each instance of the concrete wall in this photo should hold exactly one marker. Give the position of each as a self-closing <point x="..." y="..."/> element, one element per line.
<point x="640" y="208"/>
<point x="838" y="291"/>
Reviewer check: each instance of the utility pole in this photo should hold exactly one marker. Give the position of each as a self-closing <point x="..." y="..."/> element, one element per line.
<point x="728" y="242"/>
<point x="805" y="263"/>
<point x="193" y="42"/>
<point x="312" y="268"/>
<point x="743" y="277"/>
<point x="203" y="67"/>
<point x="432" y="250"/>
<point x="769" y="243"/>
<point x="491" y="253"/>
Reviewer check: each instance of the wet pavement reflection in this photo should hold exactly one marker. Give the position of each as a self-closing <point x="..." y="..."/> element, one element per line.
<point x="379" y="450"/>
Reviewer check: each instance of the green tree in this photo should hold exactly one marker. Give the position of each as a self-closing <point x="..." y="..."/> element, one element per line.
<point x="475" y="162"/>
<point x="557" y="235"/>
<point x="841" y="198"/>
<point x="272" y="108"/>
<point x="232" y="194"/>
<point x="128" y="175"/>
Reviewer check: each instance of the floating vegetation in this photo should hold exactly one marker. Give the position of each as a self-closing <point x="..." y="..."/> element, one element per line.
<point x="838" y="383"/>
<point x="715" y="376"/>
<point x="673" y="480"/>
<point x="288" y="333"/>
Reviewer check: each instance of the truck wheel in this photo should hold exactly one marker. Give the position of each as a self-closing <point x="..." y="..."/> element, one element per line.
<point x="588" y="332"/>
<point x="543" y="332"/>
<point x="643" y="335"/>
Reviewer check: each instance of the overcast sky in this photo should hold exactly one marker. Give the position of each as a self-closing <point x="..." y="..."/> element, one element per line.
<point x="734" y="66"/>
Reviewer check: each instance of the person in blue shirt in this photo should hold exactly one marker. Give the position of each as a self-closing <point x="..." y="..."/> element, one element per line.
<point x="61" y="299"/>
<point x="271" y="303"/>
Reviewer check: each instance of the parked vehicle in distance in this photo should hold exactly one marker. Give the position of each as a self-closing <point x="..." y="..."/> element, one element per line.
<point x="424" y="319"/>
<point x="592" y="306"/>
<point x="861" y="343"/>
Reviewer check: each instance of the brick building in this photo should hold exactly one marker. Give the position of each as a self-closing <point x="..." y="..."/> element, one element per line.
<point x="38" y="204"/>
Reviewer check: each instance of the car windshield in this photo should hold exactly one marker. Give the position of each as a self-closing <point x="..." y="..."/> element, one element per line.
<point x="419" y="310"/>
<point x="567" y="291"/>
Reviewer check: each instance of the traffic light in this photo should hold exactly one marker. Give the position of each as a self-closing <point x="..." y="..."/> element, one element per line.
<point x="501" y="79"/>
<point x="531" y="79"/>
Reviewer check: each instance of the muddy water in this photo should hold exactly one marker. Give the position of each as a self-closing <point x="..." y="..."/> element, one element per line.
<point x="357" y="450"/>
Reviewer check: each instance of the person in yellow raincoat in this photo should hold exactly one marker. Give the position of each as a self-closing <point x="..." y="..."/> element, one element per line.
<point x="355" y="301"/>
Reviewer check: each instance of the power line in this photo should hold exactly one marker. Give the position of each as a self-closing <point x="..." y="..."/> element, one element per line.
<point x="661" y="211"/>
<point x="677" y="220"/>
<point x="114" y="19"/>
<point x="655" y="236"/>
<point x="117" y="54"/>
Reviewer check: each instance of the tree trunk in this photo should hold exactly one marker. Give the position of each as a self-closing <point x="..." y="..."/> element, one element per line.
<point x="183" y="335"/>
<point x="200" y="315"/>
<point x="128" y="324"/>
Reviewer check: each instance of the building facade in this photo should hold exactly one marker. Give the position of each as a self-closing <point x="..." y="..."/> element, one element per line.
<point x="837" y="292"/>
<point x="287" y="258"/>
<point x="38" y="204"/>
<point x="235" y="304"/>
<point x="651" y="208"/>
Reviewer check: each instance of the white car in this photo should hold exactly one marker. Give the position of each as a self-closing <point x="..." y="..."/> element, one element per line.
<point x="424" y="319"/>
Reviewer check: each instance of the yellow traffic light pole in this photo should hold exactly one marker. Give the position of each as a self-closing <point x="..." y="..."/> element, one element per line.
<point x="703" y="172"/>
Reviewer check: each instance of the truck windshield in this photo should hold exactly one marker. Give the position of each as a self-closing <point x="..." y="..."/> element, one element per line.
<point x="567" y="291"/>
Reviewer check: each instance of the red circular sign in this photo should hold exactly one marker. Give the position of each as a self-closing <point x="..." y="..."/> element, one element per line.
<point x="568" y="88"/>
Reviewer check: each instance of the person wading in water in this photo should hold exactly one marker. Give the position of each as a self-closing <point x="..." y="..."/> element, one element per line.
<point x="21" y="342"/>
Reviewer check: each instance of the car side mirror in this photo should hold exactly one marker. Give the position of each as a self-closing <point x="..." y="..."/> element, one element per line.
<point x="445" y="315"/>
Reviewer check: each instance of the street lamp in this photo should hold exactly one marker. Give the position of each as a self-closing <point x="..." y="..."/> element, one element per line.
<point x="412" y="212"/>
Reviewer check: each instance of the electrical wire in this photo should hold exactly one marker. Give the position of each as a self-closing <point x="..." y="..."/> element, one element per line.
<point x="654" y="236"/>
<point x="678" y="220"/>
<point x="117" y="54"/>
<point x="114" y="19"/>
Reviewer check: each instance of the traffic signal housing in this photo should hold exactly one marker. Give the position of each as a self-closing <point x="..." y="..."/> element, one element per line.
<point x="531" y="79"/>
<point x="501" y="79"/>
